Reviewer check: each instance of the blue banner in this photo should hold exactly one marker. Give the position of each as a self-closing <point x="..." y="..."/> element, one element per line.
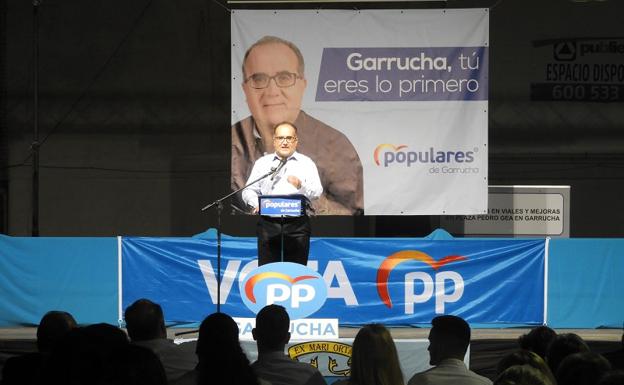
<point x="391" y="281"/>
<point x="40" y="274"/>
<point x="585" y="283"/>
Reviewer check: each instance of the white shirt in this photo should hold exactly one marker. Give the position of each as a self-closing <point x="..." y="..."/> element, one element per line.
<point x="450" y="371"/>
<point x="297" y="165"/>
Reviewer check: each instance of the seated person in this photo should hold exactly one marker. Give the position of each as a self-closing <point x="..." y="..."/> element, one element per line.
<point x="271" y="335"/>
<point x="145" y="323"/>
<point x="448" y="342"/>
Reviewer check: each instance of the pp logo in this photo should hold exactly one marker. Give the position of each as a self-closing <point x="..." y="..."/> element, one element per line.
<point x="300" y="290"/>
<point x="431" y="286"/>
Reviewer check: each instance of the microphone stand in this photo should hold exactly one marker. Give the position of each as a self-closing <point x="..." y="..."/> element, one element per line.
<point x="219" y="205"/>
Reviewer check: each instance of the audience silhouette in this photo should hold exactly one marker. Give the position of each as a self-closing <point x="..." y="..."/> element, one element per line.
<point x="523" y="375"/>
<point x="562" y="346"/>
<point x="272" y="334"/>
<point x="374" y="358"/>
<point x="145" y="323"/>
<point x="26" y="369"/>
<point x="537" y="340"/>
<point x="134" y="365"/>
<point x="221" y="358"/>
<point x="448" y="342"/>
<point x="102" y="354"/>
<point x="82" y="356"/>
<point x="525" y="357"/>
<point x="585" y="368"/>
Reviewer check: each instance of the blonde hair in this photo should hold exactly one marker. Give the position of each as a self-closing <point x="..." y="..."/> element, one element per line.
<point x="374" y="359"/>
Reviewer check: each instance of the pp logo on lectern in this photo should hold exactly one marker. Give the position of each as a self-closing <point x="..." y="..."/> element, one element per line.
<point x="302" y="291"/>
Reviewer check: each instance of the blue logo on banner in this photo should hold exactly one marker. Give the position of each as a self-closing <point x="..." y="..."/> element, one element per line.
<point x="300" y="290"/>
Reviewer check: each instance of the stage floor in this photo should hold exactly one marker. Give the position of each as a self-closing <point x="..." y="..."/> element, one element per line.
<point x="487" y="346"/>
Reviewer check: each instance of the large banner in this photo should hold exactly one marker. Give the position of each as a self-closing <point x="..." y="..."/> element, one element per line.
<point x="391" y="281"/>
<point x="81" y="275"/>
<point x="392" y="105"/>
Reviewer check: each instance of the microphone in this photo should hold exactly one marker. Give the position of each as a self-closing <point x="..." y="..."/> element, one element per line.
<point x="279" y="167"/>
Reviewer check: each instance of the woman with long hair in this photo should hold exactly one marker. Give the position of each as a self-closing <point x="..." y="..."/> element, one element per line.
<point x="374" y="358"/>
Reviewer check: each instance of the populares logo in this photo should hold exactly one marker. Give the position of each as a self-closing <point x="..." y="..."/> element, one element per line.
<point x="431" y="286"/>
<point x="386" y="147"/>
<point x="387" y="154"/>
<point x="302" y="291"/>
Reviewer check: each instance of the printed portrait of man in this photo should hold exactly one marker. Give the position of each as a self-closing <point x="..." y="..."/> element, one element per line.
<point x="274" y="83"/>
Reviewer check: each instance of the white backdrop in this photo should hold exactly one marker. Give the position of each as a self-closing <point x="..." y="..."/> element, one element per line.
<point x="447" y="121"/>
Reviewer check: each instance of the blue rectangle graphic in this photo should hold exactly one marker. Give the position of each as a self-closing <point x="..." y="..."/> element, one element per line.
<point x="403" y="74"/>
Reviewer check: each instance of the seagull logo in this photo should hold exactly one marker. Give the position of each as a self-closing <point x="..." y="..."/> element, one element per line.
<point x="383" y="273"/>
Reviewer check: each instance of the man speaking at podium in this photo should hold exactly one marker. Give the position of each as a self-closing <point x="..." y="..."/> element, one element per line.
<point x="293" y="173"/>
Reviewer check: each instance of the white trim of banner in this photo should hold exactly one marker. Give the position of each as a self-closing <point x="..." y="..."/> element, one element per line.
<point x="546" y="249"/>
<point x="119" y="285"/>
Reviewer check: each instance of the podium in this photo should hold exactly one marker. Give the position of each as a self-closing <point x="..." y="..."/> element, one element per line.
<point x="282" y="206"/>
